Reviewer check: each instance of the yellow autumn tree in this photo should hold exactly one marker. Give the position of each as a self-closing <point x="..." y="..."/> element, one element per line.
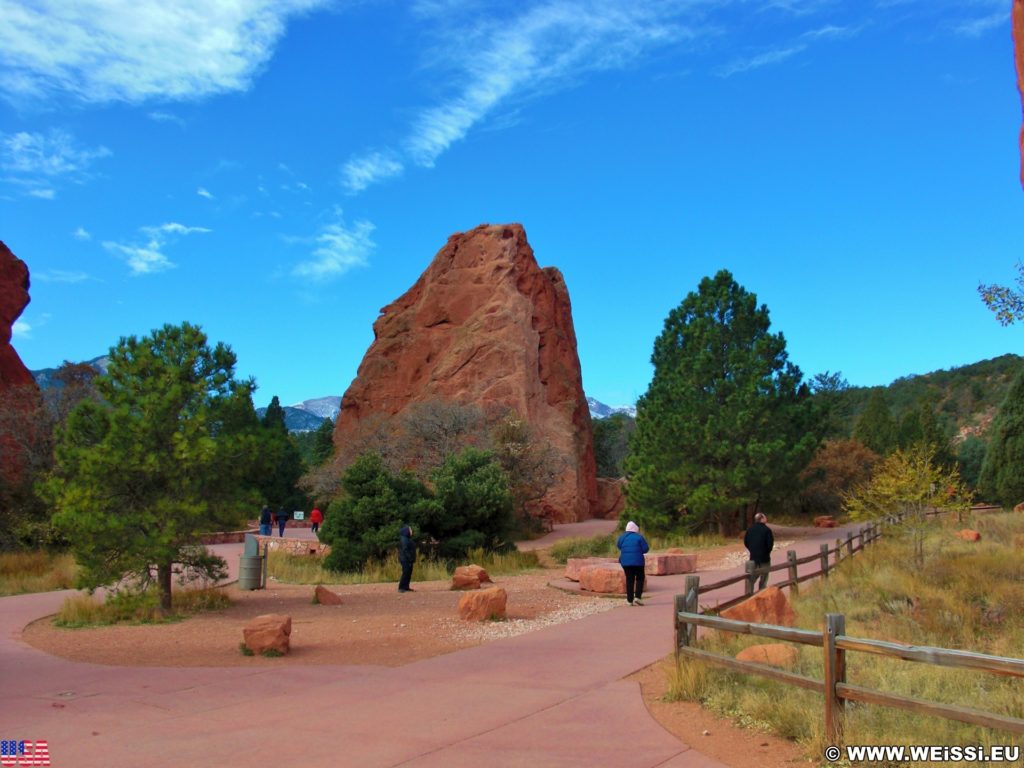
<point x="905" y="487"/>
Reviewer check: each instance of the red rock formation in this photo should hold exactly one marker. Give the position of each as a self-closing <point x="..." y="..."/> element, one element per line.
<point x="13" y="299"/>
<point x="769" y="606"/>
<point x="485" y="326"/>
<point x="1018" y="45"/>
<point x="485" y="605"/>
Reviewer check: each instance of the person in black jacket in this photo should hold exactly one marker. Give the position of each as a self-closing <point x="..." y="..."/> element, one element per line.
<point x="759" y="541"/>
<point x="407" y="557"/>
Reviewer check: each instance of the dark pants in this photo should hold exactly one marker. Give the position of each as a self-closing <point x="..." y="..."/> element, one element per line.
<point x="280" y="527"/>
<point x="403" y="583"/>
<point x="634" y="581"/>
<point x="761" y="571"/>
<point x="314" y="527"/>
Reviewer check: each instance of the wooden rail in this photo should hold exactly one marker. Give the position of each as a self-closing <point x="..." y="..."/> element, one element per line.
<point x="835" y="644"/>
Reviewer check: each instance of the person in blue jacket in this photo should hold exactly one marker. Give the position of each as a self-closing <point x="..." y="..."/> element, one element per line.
<point x="632" y="547"/>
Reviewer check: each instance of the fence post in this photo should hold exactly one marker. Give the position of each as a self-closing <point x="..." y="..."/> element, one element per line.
<point x="749" y="570"/>
<point x="824" y="560"/>
<point x="692" y="605"/>
<point x="839" y="551"/>
<point x="849" y="542"/>
<point x="835" y="672"/>
<point x="791" y="559"/>
<point x="680" y="632"/>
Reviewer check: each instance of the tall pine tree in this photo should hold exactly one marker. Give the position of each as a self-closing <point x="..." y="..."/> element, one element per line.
<point x="1002" y="473"/>
<point x="875" y="428"/>
<point x="725" y="422"/>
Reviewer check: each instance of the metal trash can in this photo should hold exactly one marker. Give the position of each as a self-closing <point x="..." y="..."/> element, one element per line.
<point x="250" y="571"/>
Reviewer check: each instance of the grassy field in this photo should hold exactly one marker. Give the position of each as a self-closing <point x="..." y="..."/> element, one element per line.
<point x="22" y="572"/>
<point x="968" y="596"/>
<point x="304" y="569"/>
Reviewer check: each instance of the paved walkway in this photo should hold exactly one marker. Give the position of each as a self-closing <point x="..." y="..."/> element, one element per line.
<point x="555" y="697"/>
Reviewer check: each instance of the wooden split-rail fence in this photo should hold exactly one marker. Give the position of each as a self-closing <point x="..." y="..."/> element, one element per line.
<point x="835" y="644"/>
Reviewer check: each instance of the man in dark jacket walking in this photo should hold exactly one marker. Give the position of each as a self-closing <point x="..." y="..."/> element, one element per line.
<point x="759" y="541"/>
<point x="407" y="557"/>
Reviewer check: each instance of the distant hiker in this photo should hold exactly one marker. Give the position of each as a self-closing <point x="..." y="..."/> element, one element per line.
<point x="265" y="521"/>
<point x="317" y="517"/>
<point x="632" y="547"/>
<point x="759" y="541"/>
<point x="407" y="557"/>
<point x="282" y="518"/>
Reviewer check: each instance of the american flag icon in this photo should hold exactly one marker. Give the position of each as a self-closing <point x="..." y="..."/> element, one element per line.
<point x="24" y="753"/>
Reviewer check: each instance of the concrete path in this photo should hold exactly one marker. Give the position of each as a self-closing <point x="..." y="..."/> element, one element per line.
<point x="555" y="697"/>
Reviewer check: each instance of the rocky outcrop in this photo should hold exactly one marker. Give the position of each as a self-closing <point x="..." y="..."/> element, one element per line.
<point x="13" y="300"/>
<point x="469" y="577"/>
<point x="611" y="498"/>
<point x="1018" y="45"/>
<point x="484" y="605"/>
<point x="269" y="632"/>
<point x="769" y="606"/>
<point x="323" y="596"/>
<point x="484" y="325"/>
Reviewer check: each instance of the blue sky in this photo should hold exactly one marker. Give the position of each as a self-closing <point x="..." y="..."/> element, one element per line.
<point x="279" y="171"/>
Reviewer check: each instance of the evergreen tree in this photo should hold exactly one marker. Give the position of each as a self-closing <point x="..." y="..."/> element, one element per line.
<point x="273" y="418"/>
<point x="611" y="444"/>
<point x="724" y="422"/>
<point x="323" y="442"/>
<point x="165" y="456"/>
<point x="281" y="462"/>
<point x="875" y="427"/>
<point x="1002" y="478"/>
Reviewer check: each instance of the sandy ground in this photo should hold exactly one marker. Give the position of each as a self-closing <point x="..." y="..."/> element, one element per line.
<point x="376" y="625"/>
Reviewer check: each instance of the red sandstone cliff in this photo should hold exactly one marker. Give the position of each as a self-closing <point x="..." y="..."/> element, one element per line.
<point x="1018" y="45"/>
<point x="13" y="299"/>
<point x="485" y="325"/>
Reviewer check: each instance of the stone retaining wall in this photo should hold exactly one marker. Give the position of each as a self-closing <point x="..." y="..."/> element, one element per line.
<point x="293" y="546"/>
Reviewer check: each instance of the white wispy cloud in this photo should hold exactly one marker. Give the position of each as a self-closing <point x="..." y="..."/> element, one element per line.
<point x="338" y="248"/>
<point x="489" y="60"/>
<point x="149" y="257"/>
<point x="979" y="26"/>
<point x="165" y="117"/>
<point x="204" y="192"/>
<point x="134" y="50"/>
<point x="362" y="171"/>
<point x="60" y="276"/>
<point x="43" y="194"/>
<point x="50" y="155"/>
<point x="760" y="60"/>
<point x="21" y="330"/>
<point x="81" y="233"/>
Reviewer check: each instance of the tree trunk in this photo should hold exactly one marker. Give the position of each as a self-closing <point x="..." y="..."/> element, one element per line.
<point x="163" y="580"/>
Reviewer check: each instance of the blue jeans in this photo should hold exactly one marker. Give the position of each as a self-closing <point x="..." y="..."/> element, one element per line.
<point x="264" y="529"/>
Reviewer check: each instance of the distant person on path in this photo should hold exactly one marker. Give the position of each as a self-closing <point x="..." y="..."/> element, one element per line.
<point x="265" y="521"/>
<point x="317" y="517"/>
<point x="759" y="541"/>
<point x="632" y="547"/>
<point x="407" y="557"/>
<point x="282" y="518"/>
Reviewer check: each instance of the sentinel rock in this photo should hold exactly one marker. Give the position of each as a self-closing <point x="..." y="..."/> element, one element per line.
<point x="484" y="325"/>
<point x="13" y="299"/>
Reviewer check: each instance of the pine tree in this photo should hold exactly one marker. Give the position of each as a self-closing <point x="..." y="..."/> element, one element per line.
<point x="1002" y="478"/>
<point x="875" y="427"/>
<point x="725" y="422"/>
<point x="165" y="454"/>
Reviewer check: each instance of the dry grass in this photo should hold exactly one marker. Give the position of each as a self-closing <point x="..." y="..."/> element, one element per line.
<point x="23" y="572"/>
<point x="306" y="569"/>
<point x="968" y="596"/>
<point x="137" y="607"/>
<point x="604" y="545"/>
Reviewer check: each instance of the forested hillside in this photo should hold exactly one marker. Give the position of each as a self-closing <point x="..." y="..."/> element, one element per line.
<point x="965" y="399"/>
